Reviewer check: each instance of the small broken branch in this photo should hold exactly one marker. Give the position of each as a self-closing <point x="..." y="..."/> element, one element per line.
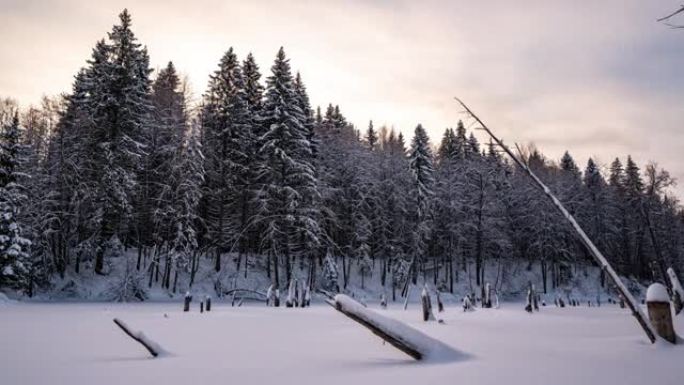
<point x="151" y="346"/>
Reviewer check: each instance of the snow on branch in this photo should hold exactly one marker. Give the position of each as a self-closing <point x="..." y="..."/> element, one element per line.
<point x="139" y="336"/>
<point x="401" y="336"/>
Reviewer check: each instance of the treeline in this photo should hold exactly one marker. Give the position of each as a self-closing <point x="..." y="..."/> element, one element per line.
<point x="124" y="162"/>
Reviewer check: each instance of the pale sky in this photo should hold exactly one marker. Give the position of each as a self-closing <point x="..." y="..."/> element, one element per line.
<point x="597" y="78"/>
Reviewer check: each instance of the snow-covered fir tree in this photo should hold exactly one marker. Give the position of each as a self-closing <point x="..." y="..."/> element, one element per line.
<point x="228" y="139"/>
<point x="15" y="263"/>
<point x="286" y="174"/>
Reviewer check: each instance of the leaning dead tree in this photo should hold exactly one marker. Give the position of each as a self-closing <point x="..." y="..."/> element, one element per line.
<point x="593" y="250"/>
<point x="666" y="19"/>
<point x="151" y="346"/>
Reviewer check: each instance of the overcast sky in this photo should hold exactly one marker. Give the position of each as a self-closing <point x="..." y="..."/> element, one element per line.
<point x="597" y="78"/>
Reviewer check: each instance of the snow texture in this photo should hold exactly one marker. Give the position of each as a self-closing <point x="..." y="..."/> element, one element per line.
<point x="657" y="293"/>
<point x="431" y="349"/>
<point x="72" y="344"/>
<point x="5" y="301"/>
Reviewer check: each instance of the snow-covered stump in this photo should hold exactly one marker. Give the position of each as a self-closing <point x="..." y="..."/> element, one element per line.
<point x="291" y="289"/>
<point x="270" y="296"/>
<point x="528" y="306"/>
<point x="487" y="296"/>
<point x="151" y="346"/>
<point x="658" y="305"/>
<point x="383" y="301"/>
<point x="467" y="303"/>
<point x="677" y="291"/>
<point x="426" y="305"/>
<point x="307" y="296"/>
<point x="440" y="304"/>
<point x="401" y="336"/>
<point x="186" y="301"/>
<point x="276" y="298"/>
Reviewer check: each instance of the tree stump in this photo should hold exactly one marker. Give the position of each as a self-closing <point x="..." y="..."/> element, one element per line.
<point x="440" y="304"/>
<point x="201" y="306"/>
<point x="426" y="305"/>
<point x="208" y="303"/>
<point x="186" y="302"/>
<point x="276" y="299"/>
<point x="658" y="304"/>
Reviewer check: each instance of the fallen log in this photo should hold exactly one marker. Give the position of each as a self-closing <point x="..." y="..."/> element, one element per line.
<point x="151" y="346"/>
<point x="401" y="336"/>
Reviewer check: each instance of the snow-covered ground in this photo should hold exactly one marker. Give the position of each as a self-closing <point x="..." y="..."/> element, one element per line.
<point x="58" y="343"/>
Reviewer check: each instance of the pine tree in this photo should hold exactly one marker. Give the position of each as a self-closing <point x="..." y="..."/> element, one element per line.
<point x="568" y="165"/>
<point x="308" y="117"/>
<point x="254" y="91"/>
<point x="119" y="112"/>
<point x="420" y="164"/>
<point x="287" y="175"/>
<point x="14" y="258"/>
<point x="472" y="147"/>
<point x="448" y="148"/>
<point x="371" y="137"/>
<point x="163" y="140"/>
<point x="188" y="174"/>
<point x="461" y="145"/>
<point x="228" y="137"/>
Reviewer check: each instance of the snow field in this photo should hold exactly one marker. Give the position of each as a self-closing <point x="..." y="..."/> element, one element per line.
<point x="76" y="343"/>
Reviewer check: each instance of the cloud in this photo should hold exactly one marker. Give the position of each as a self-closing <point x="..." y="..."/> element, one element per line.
<point x="598" y="79"/>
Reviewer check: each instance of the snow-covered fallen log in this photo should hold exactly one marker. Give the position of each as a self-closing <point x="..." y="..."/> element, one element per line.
<point x="401" y="336"/>
<point x="151" y="346"/>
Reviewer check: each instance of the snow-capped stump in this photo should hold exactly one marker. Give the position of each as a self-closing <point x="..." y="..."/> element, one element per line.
<point x="151" y="346"/>
<point x="487" y="296"/>
<point x="467" y="303"/>
<point x="186" y="301"/>
<point x="426" y="303"/>
<point x="658" y="304"/>
<point x="440" y="304"/>
<point x="401" y="336"/>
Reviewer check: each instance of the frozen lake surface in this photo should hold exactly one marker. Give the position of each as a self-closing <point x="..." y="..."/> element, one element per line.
<point x="77" y="343"/>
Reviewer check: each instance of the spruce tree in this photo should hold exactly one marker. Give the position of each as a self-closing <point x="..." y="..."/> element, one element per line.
<point x="287" y="175"/>
<point x="448" y="148"/>
<point x="14" y="258"/>
<point x="118" y="113"/>
<point x="228" y="138"/>
<point x="420" y="165"/>
<point x="568" y="165"/>
<point x="371" y="137"/>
